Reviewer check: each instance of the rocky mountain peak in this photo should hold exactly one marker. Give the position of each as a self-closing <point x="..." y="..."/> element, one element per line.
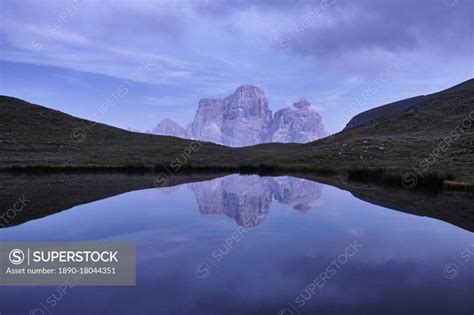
<point x="249" y="91"/>
<point x="244" y="118"/>
<point x="298" y="123"/>
<point x="207" y="123"/>
<point x="169" y="127"/>
<point x="209" y="102"/>
<point x="247" y="117"/>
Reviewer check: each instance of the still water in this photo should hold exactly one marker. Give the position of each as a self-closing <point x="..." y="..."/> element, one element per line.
<point x="258" y="245"/>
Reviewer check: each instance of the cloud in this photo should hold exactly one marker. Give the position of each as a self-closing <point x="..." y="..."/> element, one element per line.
<point x="327" y="29"/>
<point x="166" y="101"/>
<point x="345" y="27"/>
<point x="206" y="48"/>
<point x="108" y="36"/>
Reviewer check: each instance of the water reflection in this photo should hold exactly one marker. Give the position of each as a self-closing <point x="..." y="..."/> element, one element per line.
<point x="247" y="199"/>
<point x="287" y="260"/>
<point x="237" y="196"/>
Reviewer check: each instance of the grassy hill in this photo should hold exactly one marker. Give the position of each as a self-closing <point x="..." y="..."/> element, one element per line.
<point x="36" y="136"/>
<point x="397" y="107"/>
<point x="384" y="111"/>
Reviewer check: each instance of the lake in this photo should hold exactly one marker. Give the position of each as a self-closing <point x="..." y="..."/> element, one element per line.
<point x="257" y="245"/>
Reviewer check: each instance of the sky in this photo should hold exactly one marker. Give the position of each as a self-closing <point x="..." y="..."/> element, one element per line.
<point x="132" y="63"/>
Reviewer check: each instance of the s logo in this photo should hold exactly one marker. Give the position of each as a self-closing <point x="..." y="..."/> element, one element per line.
<point x="17" y="256"/>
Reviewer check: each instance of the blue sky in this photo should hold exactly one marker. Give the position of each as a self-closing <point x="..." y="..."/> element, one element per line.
<point x="343" y="56"/>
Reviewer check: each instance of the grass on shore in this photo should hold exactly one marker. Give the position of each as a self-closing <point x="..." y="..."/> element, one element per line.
<point x="458" y="186"/>
<point x="261" y="169"/>
<point x="430" y="182"/>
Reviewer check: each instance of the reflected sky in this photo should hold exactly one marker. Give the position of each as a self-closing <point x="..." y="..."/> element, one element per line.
<point x="189" y="259"/>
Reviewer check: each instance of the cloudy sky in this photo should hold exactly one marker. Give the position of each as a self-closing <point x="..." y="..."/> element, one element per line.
<point x="160" y="57"/>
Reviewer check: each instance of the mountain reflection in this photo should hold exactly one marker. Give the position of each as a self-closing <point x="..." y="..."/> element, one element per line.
<point x="247" y="199"/>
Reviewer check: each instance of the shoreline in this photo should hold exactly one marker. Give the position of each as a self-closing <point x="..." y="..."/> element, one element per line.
<point x="434" y="181"/>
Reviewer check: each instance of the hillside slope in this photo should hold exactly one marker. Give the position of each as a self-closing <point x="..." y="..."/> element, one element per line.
<point x="33" y="135"/>
<point x="395" y="107"/>
<point x="384" y="111"/>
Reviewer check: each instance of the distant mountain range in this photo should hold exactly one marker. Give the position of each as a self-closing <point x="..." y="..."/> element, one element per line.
<point x="244" y="119"/>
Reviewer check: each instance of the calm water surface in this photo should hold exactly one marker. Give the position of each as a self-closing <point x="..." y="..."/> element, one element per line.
<point x="259" y="245"/>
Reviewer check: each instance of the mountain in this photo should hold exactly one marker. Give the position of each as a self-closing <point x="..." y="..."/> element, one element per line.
<point x="208" y="121"/>
<point x="247" y="118"/>
<point x="244" y="118"/>
<point x="169" y="127"/>
<point x="241" y="119"/>
<point x="298" y="123"/>
<point x="395" y="107"/>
